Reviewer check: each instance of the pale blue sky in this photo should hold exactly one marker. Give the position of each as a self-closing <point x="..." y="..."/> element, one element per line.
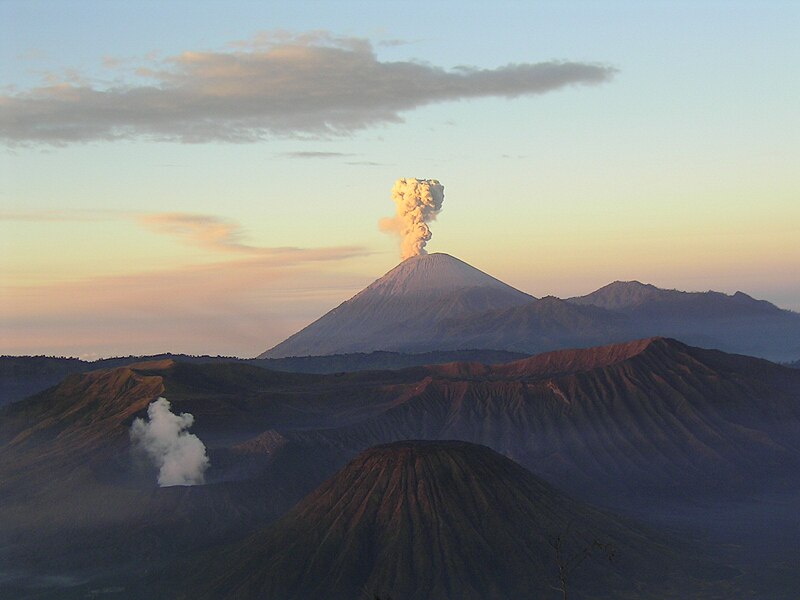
<point x="679" y="171"/>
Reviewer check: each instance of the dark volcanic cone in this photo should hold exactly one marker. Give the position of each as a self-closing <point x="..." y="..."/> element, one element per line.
<point x="430" y="520"/>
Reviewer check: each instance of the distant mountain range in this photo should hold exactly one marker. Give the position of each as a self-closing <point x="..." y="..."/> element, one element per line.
<point x="435" y="458"/>
<point x="651" y="428"/>
<point x="567" y="405"/>
<point x="434" y="309"/>
<point x="437" y="302"/>
<point x="561" y="415"/>
<point x="23" y="376"/>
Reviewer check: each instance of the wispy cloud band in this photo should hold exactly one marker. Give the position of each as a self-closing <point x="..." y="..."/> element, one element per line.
<point x="240" y="298"/>
<point x="314" y="84"/>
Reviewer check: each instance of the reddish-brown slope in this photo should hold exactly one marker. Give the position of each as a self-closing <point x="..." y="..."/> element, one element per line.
<point x="648" y="416"/>
<point x="649" y="412"/>
<point x="561" y="362"/>
<point x="81" y="422"/>
<point x="437" y="520"/>
<point x="653" y="417"/>
<point x="74" y="499"/>
<point x="95" y="401"/>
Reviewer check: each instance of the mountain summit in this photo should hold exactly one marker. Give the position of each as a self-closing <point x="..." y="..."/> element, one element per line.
<point x="433" y="273"/>
<point x="435" y="302"/>
<point x="437" y="520"/>
<point x="635" y="298"/>
<point x="620" y="295"/>
<point x="396" y="311"/>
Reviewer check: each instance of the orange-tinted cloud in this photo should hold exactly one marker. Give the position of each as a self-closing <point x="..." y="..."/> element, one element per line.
<point x="251" y="298"/>
<point x="204" y="230"/>
<point x="223" y="235"/>
<point x="236" y="307"/>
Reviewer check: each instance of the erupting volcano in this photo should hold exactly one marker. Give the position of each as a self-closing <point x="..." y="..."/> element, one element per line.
<point x="400" y="310"/>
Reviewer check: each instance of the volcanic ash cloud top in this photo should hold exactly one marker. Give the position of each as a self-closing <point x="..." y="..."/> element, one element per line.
<point x="418" y="202"/>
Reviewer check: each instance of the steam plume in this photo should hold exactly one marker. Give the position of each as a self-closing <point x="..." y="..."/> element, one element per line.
<point x="179" y="455"/>
<point x="418" y="202"/>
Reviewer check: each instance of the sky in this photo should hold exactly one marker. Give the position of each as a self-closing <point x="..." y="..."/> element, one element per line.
<point x="208" y="177"/>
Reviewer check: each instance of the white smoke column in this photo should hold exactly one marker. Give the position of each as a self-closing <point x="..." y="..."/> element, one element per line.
<point x="179" y="455"/>
<point x="418" y="202"/>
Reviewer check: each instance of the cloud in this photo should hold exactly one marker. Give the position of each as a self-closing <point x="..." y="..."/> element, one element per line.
<point x="249" y="298"/>
<point x="232" y="307"/>
<point x="277" y="84"/>
<point x="223" y="235"/>
<point x="316" y="154"/>
<point x="112" y="62"/>
<point x="366" y="163"/>
<point x="63" y="215"/>
<point x="206" y="231"/>
<point x="393" y="43"/>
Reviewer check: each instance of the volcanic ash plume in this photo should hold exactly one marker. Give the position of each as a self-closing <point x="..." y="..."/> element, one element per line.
<point x="179" y="455"/>
<point x="418" y="202"/>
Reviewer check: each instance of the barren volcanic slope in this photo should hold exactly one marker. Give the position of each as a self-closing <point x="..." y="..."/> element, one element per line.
<point x="75" y="504"/>
<point x="23" y="376"/>
<point x="645" y="419"/>
<point x="649" y="412"/>
<point x="400" y="309"/>
<point x="436" y="302"/>
<point x="624" y="425"/>
<point x="441" y="520"/>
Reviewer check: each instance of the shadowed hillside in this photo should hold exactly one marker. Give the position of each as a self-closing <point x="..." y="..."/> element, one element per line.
<point x="612" y="423"/>
<point x="443" y="520"/>
<point x="654" y="428"/>
<point x="23" y="376"/>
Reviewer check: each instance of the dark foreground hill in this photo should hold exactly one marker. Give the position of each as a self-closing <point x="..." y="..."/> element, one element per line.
<point x="670" y="433"/>
<point x="445" y="521"/>
<point x="642" y="415"/>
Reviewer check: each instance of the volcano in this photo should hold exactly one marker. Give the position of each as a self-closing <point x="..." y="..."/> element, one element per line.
<point x="436" y="302"/>
<point x="641" y="427"/>
<point x="443" y="520"/>
<point x="399" y="310"/>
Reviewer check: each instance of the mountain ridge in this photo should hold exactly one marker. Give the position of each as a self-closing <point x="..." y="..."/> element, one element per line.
<point x="634" y="295"/>
<point x="25" y="376"/>
<point x="390" y="315"/>
<point x="637" y="426"/>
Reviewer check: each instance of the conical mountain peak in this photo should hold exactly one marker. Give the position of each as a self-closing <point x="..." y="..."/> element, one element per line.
<point x="432" y="273"/>
<point x="622" y="294"/>
<point x="420" y="520"/>
<point x="399" y="311"/>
